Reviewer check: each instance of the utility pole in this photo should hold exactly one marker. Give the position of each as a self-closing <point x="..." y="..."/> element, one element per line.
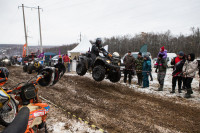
<point x="80" y="36"/>
<point x="38" y="8"/>
<point x="25" y="29"/>
<point x="41" y="49"/>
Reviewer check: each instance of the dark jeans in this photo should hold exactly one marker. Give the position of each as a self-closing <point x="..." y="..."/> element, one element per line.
<point x="174" y="79"/>
<point x="161" y="77"/>
<point x="145" y="80"/>
<point x="188" y="82"/>
<point x="129" y="73"/>
<point x="139" y="76"/>
<point x="184" y="81"/>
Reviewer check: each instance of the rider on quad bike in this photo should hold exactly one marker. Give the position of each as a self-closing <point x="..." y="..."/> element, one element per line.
<point x="96" y="48"/>
<point x="107" y="65"/>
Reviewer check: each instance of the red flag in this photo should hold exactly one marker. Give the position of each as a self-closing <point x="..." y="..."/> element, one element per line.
<point x="24" y="50"/>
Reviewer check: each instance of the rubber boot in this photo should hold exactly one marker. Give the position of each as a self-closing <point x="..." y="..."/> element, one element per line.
<point x="183" y="88"/>
<point x="173" y="90"/>
<point x="160" y="88"/>
<point x="187" y="95"/>
<point x="179" y="90"/>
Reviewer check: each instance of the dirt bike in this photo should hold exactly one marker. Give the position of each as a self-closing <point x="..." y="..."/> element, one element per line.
<point x="27" y="95"/>
<point x="8" y="106"/>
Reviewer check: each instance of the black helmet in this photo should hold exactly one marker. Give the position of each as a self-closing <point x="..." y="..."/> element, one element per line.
<point x="4" y="73"/>
<point x="98" y="41"/>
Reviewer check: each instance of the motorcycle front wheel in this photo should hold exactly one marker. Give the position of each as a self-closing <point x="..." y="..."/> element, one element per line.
<point x="8" y="112"/>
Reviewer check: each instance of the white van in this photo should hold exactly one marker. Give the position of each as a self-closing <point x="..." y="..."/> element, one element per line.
<point x="170" y="56"/>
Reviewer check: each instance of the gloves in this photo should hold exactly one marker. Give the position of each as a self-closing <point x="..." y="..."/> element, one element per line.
<point x="156" y="64"/>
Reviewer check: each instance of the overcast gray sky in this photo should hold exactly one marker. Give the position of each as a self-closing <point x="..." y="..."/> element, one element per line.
<point x="63" y="20"/>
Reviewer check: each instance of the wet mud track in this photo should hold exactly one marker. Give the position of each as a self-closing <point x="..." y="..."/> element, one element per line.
<point x="117" y="108"/>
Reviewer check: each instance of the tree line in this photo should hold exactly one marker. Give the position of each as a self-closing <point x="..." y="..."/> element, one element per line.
<point x="173" y="44"/>
<point x="63" y="49"/>
<point x="122" y="44"/>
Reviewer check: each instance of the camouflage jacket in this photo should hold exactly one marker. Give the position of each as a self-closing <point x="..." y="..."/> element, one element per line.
<point x="138" y="64"/>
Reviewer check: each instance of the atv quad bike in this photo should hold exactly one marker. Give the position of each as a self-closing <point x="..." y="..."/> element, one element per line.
<point x="32" y="66"/>
<point x="104" y="66"/>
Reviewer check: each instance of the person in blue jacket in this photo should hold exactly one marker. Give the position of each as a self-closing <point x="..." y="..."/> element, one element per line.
<point x="146" y="69"/>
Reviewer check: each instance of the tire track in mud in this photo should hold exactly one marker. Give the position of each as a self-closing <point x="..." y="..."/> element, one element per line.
<point x="117" y="108"/>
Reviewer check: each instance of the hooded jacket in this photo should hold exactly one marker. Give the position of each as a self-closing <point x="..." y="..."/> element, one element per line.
<point x="190" y="67"/>
<point x="163" y="53"/>
<point x="146" y="66"/>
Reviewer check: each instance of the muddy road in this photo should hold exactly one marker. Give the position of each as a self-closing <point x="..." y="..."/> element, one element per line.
<point x="117" y="108"/>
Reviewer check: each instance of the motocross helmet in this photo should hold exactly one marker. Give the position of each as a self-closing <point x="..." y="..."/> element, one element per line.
<point x="4" y="73"/>
<point x="98" y="41"/>
<point x="48" y="79"/>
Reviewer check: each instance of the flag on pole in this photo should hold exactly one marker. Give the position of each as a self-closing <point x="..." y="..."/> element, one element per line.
<point x="60" y="54"/>
<point x="143" y="49"/>
<point x="24" y="50"/>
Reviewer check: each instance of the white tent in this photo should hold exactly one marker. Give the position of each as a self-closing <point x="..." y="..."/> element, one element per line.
<point x="83" y="47"/>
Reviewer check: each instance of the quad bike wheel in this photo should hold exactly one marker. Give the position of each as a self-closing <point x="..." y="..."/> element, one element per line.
<point x="29" y="70"/>
<point x="81" y="69"/>
<point x="25" y="68"/>
<point x="115" y="77"/>
<point x="98" y="73"/>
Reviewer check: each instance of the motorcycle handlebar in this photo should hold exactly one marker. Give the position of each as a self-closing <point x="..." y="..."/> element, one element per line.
<point x="20" y="122"/>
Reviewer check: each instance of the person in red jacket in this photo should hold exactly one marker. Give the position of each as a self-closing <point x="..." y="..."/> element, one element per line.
<point x="178" y="63"/>
<point x="66" y="61"/>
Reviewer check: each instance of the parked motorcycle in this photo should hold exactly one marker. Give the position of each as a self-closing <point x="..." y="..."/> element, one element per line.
<point x="8" y="106"/>
<point x="27" y="95"/>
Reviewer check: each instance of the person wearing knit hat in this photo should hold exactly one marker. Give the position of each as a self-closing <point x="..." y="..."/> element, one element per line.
<point x="178" y="63"/>
<point x="163" y="52"/>
<point x="146" y="69"/>
<point x="162" y="68"/>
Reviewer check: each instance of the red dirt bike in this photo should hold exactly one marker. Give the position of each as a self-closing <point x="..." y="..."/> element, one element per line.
<point x="27" y="95"/>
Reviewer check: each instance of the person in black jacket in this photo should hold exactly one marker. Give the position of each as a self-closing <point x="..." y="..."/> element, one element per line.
<point x="96" y="48"/>
<point x="178" y="63"/>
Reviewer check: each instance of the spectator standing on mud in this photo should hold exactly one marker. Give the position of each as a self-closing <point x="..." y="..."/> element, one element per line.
<point x="138" y="67"/>
<point x="69" y="64"/>
<point x="146" y="69"/>
<point x="66" y="61"/>
<point x="162" y="52"/>
<point x="178" y="63"/>
<point x="162" y="67"/>
<point x="189" y="71"/>
<point x="129" y="62"/>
